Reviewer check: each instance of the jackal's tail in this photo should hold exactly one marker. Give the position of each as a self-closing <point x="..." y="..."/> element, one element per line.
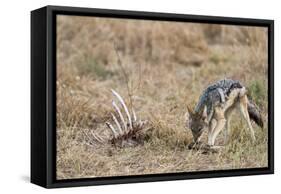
<point x="255" y="113"/>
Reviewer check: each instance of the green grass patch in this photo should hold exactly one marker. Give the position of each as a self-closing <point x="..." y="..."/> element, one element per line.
<point x="257" y="91"/>
<point x="91" y="67"/>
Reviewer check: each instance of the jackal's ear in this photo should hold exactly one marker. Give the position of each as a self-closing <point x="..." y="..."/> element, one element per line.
<point x="189" y="111"/>
<point x="188" y="114"/>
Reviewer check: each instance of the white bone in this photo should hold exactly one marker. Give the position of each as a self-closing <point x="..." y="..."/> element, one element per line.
<point x="124" y="106"/>
<point x="115" y="134"/>
<point x="117" y="123"/>
<point x="97" y="137"/>
<point x="120" y="115"/>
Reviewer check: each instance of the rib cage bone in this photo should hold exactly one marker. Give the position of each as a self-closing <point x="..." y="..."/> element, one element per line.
<point x="125" y="127"/>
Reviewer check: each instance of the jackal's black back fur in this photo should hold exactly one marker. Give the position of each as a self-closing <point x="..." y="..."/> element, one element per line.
<point x="254" y="113"/>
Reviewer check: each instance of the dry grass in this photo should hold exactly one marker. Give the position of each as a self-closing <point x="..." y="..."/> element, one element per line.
<point x="169" y="64"/>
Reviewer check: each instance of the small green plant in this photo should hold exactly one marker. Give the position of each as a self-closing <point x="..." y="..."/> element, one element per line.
<point x="257" y="91"/>
<point x="91" y="67"/>
<point x="217" y="58"/>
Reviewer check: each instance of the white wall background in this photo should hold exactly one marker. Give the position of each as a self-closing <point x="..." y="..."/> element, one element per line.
<point x="15" y="94"/>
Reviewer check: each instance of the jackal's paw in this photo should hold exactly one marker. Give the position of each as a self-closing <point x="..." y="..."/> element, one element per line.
<point x="216" y="147"/>
<point x="211" y="149"/>
<point x="195" y="145"/>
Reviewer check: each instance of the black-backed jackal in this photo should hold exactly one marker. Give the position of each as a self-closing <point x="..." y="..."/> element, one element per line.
<point x="214" y="109"/>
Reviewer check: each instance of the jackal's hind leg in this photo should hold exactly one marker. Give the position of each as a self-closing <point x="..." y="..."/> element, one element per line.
<point x="244" y="111"/>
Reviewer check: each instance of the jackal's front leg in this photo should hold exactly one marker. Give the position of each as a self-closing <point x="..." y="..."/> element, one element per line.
<point x="218" y="128"/>
<point x="212" y="126"/>
<point x="228" y="119"/>
<point x="226" y="131"/>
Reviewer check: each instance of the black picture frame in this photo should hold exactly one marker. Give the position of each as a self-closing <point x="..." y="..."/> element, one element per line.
<point x="43" y="95"/>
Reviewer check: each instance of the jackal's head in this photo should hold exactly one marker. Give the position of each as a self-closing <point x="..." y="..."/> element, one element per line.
<point x="196" y="122"/>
